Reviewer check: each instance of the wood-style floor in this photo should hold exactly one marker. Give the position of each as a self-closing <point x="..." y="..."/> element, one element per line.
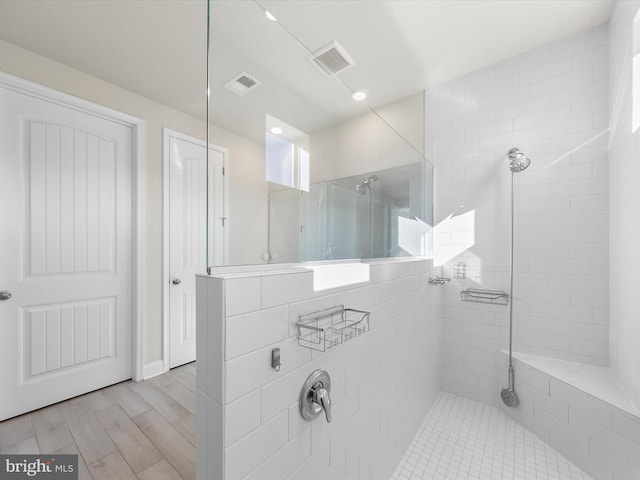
<point x="143" y="430"/>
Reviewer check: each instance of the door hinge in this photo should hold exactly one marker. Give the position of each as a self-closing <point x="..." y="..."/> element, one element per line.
<point x="223" y="219"/>
<point x="223" y="171"/>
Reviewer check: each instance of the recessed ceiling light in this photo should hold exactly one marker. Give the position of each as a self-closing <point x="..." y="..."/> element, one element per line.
<point x="276" y="130"/>
<point x="268" y="14"/>
<point x="360" y="95"/>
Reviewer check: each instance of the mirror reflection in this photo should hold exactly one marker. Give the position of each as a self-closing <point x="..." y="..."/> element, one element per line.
<point x="357" y="188"/>
<point x="371" y="215"/>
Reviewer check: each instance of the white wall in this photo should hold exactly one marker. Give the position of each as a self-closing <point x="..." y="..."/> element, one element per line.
<point x="248" y="197"/>
<point x="406" y="116"/>
<point x="625" y="204"/>
<point x="551" y="103"/>
<point x="383" y="382"/>
<point x="367" y="143"/>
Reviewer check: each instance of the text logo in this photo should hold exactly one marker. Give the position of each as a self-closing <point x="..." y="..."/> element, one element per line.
<point x="49" y="467"/>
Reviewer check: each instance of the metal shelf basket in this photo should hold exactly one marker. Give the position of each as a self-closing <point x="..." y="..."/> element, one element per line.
<point x="331" y="327"/>
<point x="494" y="297"/>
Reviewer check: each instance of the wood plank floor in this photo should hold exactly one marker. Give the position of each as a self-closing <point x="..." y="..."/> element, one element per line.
<point x="143" y="430"/>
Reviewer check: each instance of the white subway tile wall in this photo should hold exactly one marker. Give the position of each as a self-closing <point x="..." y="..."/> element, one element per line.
<point x="464" y="439"/>
<point x="600" y="438"/>
<point x="551" y="103"/>
<point x="624" y="200"/>
<point x="383" y="382"/>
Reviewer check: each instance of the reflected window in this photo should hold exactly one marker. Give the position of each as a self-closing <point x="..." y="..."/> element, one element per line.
<point x="280" y="160"/>
<point x="286" y="155"/>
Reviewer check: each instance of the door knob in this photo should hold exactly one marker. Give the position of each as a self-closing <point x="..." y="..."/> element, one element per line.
<point x="5" y="295"/>
<point x="176" y="281"/>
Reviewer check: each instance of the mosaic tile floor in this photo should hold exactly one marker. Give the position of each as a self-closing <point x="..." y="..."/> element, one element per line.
<point x="461" y="439"/>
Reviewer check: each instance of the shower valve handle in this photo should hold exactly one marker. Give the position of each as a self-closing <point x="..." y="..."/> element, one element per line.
<point x="315" y="396"/>
<point x="322" y="398"/>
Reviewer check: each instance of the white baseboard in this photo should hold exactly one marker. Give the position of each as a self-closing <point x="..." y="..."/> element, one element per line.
<point x="153" y="369"/>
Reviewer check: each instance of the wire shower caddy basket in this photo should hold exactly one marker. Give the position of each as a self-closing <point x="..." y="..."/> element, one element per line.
<point x="331" y="327"/>
<point x="493" y="297"/>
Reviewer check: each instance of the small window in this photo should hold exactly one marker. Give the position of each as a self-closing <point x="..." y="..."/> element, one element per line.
<point x="280" y="160"/>
<point x="286" y="155"/>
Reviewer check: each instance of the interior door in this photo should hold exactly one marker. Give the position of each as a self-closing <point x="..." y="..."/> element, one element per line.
<point x="188" y="237"/>
<point x="66" y="256"/>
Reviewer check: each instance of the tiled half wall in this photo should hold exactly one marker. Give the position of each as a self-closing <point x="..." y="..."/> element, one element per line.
<point x="383" y="382"/>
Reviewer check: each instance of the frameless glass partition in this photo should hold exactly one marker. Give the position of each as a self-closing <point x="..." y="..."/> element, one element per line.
<point x="311" y="173"/>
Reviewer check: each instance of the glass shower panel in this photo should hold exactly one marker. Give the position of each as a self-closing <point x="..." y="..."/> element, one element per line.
<point x="341" y="224"/>
<point x="313" y="244"/>
<point x="284" y="224"/>
<point x="381" y="231"/>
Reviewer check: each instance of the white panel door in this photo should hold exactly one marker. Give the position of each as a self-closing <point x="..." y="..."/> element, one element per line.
<point x="66" y="252"/>
<point x="188" y="236"/>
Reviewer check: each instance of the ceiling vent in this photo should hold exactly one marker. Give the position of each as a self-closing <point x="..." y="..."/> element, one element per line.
<point x="242" y="83"/>
<point x="331" y="59"/>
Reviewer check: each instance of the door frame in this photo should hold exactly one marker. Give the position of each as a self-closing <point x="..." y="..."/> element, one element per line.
<point x="49" y="94"/>
<point x="167" y="133"/>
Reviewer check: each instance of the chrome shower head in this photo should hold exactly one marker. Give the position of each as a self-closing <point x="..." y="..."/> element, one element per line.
<point x="361" y="188"/>
<point x="518" y="160"/>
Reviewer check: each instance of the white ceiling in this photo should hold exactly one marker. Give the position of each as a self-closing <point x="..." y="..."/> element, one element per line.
<point x="158" y="48"/>
<point x="401" y="46"/>
<point x="154" y="48"/>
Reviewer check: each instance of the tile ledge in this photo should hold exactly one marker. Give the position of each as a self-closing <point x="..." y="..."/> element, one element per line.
<point x="598" y="382"/>
<point x="265" y="270"/>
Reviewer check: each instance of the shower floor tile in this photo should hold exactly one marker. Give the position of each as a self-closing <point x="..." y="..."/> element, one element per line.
<point x="461" y="439"/>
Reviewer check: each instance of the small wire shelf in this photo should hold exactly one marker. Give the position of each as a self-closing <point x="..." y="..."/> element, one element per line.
<point x="331" y="327"/>
<point x="438" y="281"/>
<point x="460" y="270"/>
<point x="494" y="297"/>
